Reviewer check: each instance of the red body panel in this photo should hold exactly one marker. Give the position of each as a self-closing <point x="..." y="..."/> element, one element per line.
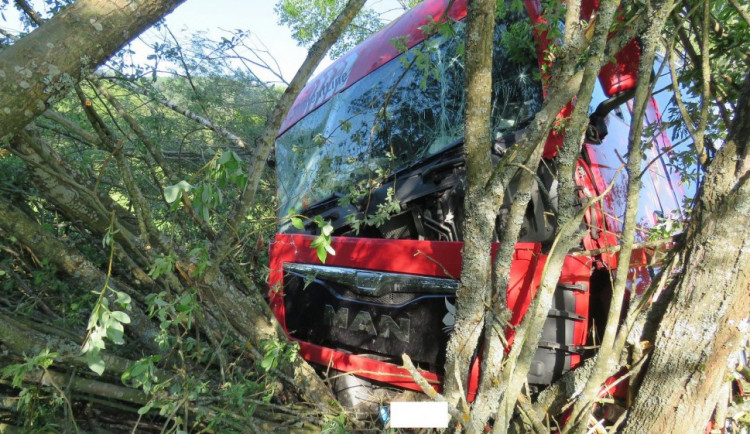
<point x="428" y="258"/>
<point x="622" y="74"/>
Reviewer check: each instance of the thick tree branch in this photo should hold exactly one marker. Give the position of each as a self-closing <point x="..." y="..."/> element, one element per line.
<point x="37" y="68"/>
<point x="430" y="391"/>
<point x="528" y="333"/>
<point x="480" y="212"/>
<point x="44" y="245"/>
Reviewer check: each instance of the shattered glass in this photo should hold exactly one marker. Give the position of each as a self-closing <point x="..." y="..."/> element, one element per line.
<point x="407" y="110"/>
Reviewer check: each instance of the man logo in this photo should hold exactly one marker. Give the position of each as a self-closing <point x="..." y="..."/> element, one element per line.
<point x="363" y="322"/>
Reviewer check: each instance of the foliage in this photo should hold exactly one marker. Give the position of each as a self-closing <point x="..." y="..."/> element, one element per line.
<point x="322" y="243"/>
<point x="148" y="162"/>
<point x="308" y="19"/>
<point x="336" y="425"/>
<point x="142" y="374"/>
<point x="276" y="353"/>
<point x="18" y="372"/>
<point x="728" y="35"/>
<point x="39" y="409"/>
<point x="384" y="211"/>
<point x="104" y="321"/>
<point x="169" y="188"/>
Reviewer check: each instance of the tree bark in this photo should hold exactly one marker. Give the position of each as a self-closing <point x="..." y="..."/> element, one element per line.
<point x="71" y="262"/>
<point x="609" y="351"/>
<point x="703" y="324"/>
<point x="480" y="209"/>
<point x="48" y="61"/>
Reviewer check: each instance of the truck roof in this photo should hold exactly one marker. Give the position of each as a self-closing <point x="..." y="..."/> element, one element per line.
<point x="368" y="56"/>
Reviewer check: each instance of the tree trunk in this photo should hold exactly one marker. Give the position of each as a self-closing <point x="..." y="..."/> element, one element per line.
<point x="480" y="209"/>
<point x="702" y="325"/>
<point x="44" y="64"/>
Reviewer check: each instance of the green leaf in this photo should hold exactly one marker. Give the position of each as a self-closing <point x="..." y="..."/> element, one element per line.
<point x="329" y="249"/>
<point x="116" y="335"/>
<point x="17" y="371"/>
<point x="185" y="304"/>
<point x="123" y="299"/>
<point x="95" y="362"/>
<point x="207" y="194"/>
<point x="297" y="223"/>
<point x="225" y="157"/>
<point x="322" y="253"/>
<point x="267" y="363"/>
<point x="327" y="229"/>
<point x="137" y="369"/>
<point x="114" y="325"/>
<point x="145" y="409"/>
<point x="121" y="317"/>
<point x="173" y="192"/>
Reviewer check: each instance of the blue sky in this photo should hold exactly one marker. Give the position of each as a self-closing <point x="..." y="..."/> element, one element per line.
<point x="257" y="16"/>
<point x="215" y="17"/>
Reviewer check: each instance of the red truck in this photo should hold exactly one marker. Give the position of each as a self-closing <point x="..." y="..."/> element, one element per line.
<point x="373" y="147"/>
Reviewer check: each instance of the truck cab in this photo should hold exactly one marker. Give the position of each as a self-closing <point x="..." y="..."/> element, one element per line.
<point x="373" y="148"/>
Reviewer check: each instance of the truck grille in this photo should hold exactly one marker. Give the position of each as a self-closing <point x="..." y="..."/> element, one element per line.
<point x="387" y="314"/>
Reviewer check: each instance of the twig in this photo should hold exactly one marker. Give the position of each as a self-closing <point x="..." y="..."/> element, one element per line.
<point x="436" y="262"/>
<point x="52" y="381"/>
<point x="29" y="12"/>
<point x="531" y="415"/>
<point x="429" y="391"/>
<point x="641" y="245"/>
<point x="189" y="114"/>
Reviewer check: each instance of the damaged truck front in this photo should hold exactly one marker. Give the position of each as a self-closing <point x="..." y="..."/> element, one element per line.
<point x="369" y="163"/>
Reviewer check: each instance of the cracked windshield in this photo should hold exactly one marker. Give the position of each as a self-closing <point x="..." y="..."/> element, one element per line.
<point x="407" y="110"/>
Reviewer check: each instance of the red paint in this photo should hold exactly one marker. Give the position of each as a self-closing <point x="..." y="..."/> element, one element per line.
<point x="622" y="74"/>
<point x="428" y="258"/>
<point x="590" y="185"/>
<point x="364" y="367"/>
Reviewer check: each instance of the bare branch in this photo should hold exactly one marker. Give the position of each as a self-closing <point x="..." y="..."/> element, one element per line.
<point x="29" y="11"/>
<point x="264" y="144"/>
<point x="207" y="123"/>
<point x="40" y="59"/>
<point x="430" y="391"/>
<point x="608" y="349"/>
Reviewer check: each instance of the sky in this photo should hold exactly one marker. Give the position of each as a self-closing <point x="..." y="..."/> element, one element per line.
<point x="258" y="16"/>
<point x="216" y="17"/>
